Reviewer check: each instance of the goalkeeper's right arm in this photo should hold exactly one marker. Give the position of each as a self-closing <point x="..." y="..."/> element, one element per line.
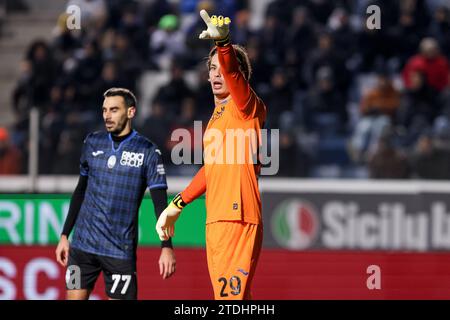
<point x="165" y="226"/>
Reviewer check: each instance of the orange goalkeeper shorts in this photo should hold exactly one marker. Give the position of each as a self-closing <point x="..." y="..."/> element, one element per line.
<point x="232" y="249"/>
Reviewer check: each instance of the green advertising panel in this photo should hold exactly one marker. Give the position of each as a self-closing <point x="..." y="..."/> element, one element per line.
<point x="37" y="219"/>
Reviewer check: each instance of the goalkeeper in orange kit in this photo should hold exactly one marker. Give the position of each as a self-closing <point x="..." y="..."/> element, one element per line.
<point x="233" y="222"/>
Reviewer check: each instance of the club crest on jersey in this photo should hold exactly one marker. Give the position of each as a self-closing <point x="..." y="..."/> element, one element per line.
<point x="132" y="159"/>
<point x="217" y="114"/>
<point x="112" y="161"/>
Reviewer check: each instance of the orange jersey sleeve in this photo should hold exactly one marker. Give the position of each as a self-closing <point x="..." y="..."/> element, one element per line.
<point x="242" y="94"/>
<point x="196" y="188"/>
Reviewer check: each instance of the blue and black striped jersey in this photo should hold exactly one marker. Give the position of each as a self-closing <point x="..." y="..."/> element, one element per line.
<point x="107" y="223"/>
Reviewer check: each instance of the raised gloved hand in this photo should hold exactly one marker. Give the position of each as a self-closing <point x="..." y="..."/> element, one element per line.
<point x="217" y="28"/>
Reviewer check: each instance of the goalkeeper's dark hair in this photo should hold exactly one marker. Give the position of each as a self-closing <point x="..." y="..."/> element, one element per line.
<point x="127" y="95"/>
<point x="242" y="57"/>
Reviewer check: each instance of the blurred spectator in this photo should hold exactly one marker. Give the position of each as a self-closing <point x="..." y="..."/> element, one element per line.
<point x="444" y="100"/>
<point x="167" y="42"/>
<point x="203" y="97"/>
<point x="282" y="9"/>
<point x="418" y="103"/>
<point x="324" y="109"/>
<point x="52" y="125"/>
<point x="94" y="16"/>
<point x="154" y="10"/>
<point x="418" y="10"/>
<point x="185" y="121"/>
<point x="407" y="33"/>
<point x="67" y="150"/>
<point x="227" y="8"/>
<point x="377" y="108"/>
<point x="279" y="97"/>
<point x="377" y="43"/>
<point x="128" y="62"/>
<point x="10" y="156"/>
<point x="241" y="32"/>
<point x="260" y="79"/>
<point x="187" y="115"/>
<point x="197" y="48"/>
<point x="38" y="76"/>
<point x="431" y="157"/>
<point x="294" y="162"/>
<point x="188" y="6"/>
<point x="321" y="9"/>
<point x="342" y="32"/>
<point x="85" y="74"/>
<point x="390" y="11"/>
<point x="16" y="6"/>
<point x="375" y="46"/>
<point x="116" y="8"/>
<point x="326" y="55"/>
<point x="172" y="94"/>
<point x="300" y="36"/>
<point x="384" y="99"/>
<point x="65" y="41"/>
<point x="155" y="127"/>
<point x="440" y="28"/>
<point x="271" y="40"/>
<point x="429" y="61"/>
<point x="386" y="161"/>
<point x="23" y="91"/>
<point x="131" y="26"/>
<point x="109" y="79"/>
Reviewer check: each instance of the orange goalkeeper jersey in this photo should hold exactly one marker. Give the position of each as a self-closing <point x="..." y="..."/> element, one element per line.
<point x="231" y="143"/>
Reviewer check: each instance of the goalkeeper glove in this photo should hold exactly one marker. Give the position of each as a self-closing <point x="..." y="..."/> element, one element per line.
<point x="165" y="226"/>
<point x="217" y="28"/>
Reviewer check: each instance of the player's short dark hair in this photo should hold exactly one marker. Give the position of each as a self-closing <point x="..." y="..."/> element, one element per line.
<point x="127" y="95"/>
<point x="242" y="56"/>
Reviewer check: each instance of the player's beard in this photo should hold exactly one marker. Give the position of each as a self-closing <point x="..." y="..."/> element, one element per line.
<point x="119" y="128"/>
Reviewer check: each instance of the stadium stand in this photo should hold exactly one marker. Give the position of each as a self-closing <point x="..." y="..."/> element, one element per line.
<point x="339" y="92"/>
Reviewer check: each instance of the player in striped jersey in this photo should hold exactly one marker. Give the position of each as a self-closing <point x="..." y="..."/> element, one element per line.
<point x="116" y="168"/>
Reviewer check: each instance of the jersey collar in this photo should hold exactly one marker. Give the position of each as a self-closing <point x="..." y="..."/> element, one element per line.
<point x="222" y="101"/>
<point x="133" y="133"/>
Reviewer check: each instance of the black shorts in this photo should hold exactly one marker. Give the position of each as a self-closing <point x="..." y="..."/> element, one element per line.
<point x="119" y="275"/>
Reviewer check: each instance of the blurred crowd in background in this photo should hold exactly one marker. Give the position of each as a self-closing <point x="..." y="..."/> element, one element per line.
<point x="349" y="101"/>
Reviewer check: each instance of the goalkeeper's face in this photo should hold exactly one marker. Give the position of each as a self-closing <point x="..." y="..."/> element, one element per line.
<point x="218" y="84"/>
<point x="116" y="115"/>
